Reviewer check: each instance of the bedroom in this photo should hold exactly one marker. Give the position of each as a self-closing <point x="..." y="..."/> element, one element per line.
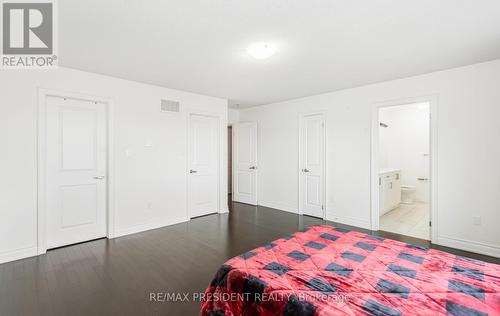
<point x="115" y="160"/>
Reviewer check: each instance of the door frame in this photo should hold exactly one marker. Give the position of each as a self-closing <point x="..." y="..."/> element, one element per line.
<point x="41" y="162"/>
<point x="234" y="158"/>
<point x="301" y="160"/>
<point x="433" y="161"/>
<point x="220" y="153"/>
<point x="230" y="176"/>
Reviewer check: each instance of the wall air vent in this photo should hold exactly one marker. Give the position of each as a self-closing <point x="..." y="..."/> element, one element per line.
<point x="169" y="106"/>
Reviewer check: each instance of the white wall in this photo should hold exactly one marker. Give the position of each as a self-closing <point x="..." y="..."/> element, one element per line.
<point x="468" y="151"/>
<point x="233" y="116"/>
<point x="156" y="175"/>
<point x="405" y="144"/>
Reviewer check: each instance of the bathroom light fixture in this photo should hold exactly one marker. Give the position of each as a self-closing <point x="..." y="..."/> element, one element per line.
<point x="261" y="50"/>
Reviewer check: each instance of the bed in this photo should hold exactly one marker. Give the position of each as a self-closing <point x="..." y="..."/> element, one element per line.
<point x="325" y="270"/>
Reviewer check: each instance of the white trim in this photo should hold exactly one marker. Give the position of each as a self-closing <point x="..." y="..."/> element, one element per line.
<point x="433" y="102"/>
<point x="149" y="225"/>
<point x="41" y="162"/>
<point x="280" y="207"/>
<point x="229" y="171"/>
<point x="300" y="160"/>
<point x="351" y="221"/>
<point x="17" y="254"/>
<point x="469" y="245"/>
<point x="111" y="170"/>
<point x="222" y="130"/>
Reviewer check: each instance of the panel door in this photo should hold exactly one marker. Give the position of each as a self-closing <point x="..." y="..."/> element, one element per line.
<point x="312" y="172"/>
<point x="245" y="162"/>
<point x="76" y="150"/>
<point x="203" y="164"/>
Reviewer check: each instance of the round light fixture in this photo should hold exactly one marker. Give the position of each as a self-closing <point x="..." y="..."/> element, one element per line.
<point x="261" y="50"/>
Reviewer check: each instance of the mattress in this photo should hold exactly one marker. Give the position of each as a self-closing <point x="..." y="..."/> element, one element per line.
<point x="326" y="270"/>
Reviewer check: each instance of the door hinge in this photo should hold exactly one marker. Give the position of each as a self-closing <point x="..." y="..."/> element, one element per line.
<point x="322" y="207"/>
<point x="379" y="181"/>
<point x="430" y="223"/>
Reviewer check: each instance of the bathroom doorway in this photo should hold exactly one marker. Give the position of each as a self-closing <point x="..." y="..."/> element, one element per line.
<point x="402" y="168"/>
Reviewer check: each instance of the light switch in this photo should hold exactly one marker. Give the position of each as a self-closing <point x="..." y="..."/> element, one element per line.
<point x="476" y="221"/>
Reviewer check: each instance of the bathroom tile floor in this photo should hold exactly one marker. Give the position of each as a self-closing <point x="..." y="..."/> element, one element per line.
<point x="408" y="219"/>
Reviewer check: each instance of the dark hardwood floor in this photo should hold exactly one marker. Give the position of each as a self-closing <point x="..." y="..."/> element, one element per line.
<point x="116" y="277"/>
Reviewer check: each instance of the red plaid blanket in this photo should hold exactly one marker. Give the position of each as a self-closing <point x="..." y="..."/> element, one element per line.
<point x="333" y="271"/>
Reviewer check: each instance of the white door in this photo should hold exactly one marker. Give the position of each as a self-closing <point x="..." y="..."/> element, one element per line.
<point x="245" y="162"/>
<point x="76" y="152"/>
<point x="312" y="138"/>
<point x="203" y="165"/>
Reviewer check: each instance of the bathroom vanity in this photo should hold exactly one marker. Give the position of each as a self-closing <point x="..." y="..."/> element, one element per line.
<point x="389" y="189"/>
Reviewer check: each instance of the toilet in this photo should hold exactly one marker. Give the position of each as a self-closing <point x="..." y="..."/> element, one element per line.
<point x="407" y="194"/>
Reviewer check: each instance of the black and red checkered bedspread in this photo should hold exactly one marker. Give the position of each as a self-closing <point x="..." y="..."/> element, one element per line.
<point x="333" y="271"/>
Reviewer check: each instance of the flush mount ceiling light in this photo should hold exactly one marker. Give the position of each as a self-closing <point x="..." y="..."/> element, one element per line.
<point x="261" y="50"/>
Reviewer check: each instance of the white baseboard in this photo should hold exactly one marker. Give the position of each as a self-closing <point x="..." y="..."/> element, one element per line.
<point x="339" y="219"/>
<point x="119" y="232"/>
<point x="18" y="254"/>
<point x="469" y="245"/>
<point x="351" y="221"/>
<point x="281" y="207"/>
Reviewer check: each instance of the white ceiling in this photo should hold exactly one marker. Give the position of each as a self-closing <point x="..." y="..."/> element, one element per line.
<point x="327" y="45"/>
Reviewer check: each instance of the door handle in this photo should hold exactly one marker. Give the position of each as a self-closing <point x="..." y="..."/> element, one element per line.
<point x="99" y="177"/>
<point x="192" y="171"/>
<point x="305" y="170"/>
<point x="252" y="168"/>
